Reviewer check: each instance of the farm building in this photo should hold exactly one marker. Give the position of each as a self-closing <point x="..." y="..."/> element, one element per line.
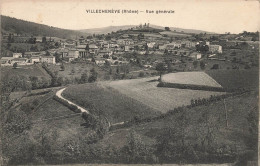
<point x="17" y="55"/>
<point x="48" y="59"/>
<point x="215" y="48"/>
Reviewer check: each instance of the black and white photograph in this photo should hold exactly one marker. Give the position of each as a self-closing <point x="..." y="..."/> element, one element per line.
<point x="128" y="82"/>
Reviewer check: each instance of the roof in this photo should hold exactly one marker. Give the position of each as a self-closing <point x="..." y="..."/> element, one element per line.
<point x="7" y="58"/>
<point x="19" y="59"/>
<point x="47" y="57"/>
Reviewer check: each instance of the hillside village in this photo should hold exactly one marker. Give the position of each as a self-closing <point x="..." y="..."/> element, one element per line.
<point x="140" y="95"/>
<point x="110" y="49"/>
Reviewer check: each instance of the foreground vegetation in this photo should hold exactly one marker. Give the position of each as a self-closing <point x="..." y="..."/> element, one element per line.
<point x="46" y="132"/>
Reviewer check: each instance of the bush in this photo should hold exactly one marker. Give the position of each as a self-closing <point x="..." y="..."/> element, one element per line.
<point x="215" y="66"/>
<point x="65" y="103"/>
<point x="141" y="74"/>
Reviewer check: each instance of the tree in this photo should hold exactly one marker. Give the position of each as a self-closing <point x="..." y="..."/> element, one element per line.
<point x="72" y="71"/>
<point x="15" y="65"/>
<point x="195" y="64"/>
<point x="93" y="76"/>
<point x="160" y="68"/>
<point x="84" y="77"/>
<point x="202" y="65"/>
<point x="87" y="48"/>
<point x="167" y="28"/>
<point x="62" y="67"/>
<point x="44" y="39"/>
<point x="215" y="66"/>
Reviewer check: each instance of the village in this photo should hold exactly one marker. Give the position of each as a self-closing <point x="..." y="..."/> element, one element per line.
<point x="110" y="48"/>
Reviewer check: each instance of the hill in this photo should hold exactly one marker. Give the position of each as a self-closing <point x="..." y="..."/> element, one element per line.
<point x="105" y="30"/>
<point x="13" y="25"/>
<point x="183" y="30"/>
<point x="110" y="29"/>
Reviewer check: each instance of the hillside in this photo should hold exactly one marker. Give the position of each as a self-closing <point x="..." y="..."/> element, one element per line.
<point x="183" y="30"/>
<point x="13" y="25"/>
<point x="105" y="30"/>
<point x="110" y="29"/>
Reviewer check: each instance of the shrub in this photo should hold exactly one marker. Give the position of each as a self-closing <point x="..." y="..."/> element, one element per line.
<point x="141" y="74"/>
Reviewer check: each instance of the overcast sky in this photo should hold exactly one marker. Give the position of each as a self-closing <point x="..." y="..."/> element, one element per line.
<point x="213" y="15"/>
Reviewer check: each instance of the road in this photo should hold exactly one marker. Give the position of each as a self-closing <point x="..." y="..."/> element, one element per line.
<point x="59" y="92"/>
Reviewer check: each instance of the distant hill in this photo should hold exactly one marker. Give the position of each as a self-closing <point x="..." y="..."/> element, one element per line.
<point x="106" y="30"/>
<point x="182" y="30"/>
<point x="13" y="25"/>
<point x="109" y="29"/>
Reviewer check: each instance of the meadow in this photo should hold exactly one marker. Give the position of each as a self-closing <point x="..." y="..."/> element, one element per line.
<point x="194" y="78"/>
<point x="107" y="102"/>
<point x="233" y="79"/>
<point x="196" y="125"/>
<point x="146" y="91"/>
<point x="173" y="34"/>
<point x="25" y="71"/>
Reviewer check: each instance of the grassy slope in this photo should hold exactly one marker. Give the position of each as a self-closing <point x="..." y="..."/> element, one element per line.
<point x="194" y="78"/>
<point x="32" y="70"/>
<point x="162" y="99"/>
<point x="114" y="105"/>
<point x="66" y="128"/>
<point x="237" y="134"/>
<point x="235" y="78"/>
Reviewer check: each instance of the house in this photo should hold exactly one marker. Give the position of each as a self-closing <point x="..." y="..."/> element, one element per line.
<point x="188" y="44"/>
<point x="82" y="51"/>
<point x="162" y="46"/>
<point x="6" y="61"/>
<point x="100" y="61"/>
<point x="93" y="48"/>
<point x="48" y="59"/>
<point x="215" y="48"/>
<point x="150" y="44"/>
<point x="73" y="53"/>
<point x="17" y="55"/>
<point x="196" y="55"/>
<point x="34" y="59"/>
<point x="20" y="61"/>
<point x="64" y="52"/>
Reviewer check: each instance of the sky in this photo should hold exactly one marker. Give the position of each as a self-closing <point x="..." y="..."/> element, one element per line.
<point x="218" y="16"/>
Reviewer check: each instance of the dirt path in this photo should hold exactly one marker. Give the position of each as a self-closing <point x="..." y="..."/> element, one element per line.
<point x="59" y="92"/>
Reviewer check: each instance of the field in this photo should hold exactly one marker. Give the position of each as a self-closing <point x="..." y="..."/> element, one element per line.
<point x="78" y="69"/>
<point x="25" y="71"/>
<point x="115" y="106"/>
<point x="193" y="78"/>
<point x="232" y="79"/>
<point x="170" y="33"/>
<point x="146" y="91"/>
<point x="236" y="136"/>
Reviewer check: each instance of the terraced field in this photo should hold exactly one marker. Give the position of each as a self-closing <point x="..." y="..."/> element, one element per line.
<point x="232" y="79"/>
<point x="193" y="78"/>
<point x="162" y="99"/>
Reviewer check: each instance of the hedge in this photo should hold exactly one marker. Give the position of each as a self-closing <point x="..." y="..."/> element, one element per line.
<point x="190" y="86"/>
<point x="65" y="103"/>
<point x="197" y="102"/>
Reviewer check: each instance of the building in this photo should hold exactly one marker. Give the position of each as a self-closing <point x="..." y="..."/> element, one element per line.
<point x="34" y="59"/>
<point x="17" y="55"/>
<point x="83" y="53"/>
<point x="6" y="61"/>
<point x="215" y="48"/>
<point x="48" y="59"/>
<point x="196" y="55"/>
<point x="73" y="53"/>
<point x="93" y="48"/>
<point x="20" y="61"/>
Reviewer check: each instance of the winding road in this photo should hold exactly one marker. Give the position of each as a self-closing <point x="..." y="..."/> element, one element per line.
<point x="59" y="92"/>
